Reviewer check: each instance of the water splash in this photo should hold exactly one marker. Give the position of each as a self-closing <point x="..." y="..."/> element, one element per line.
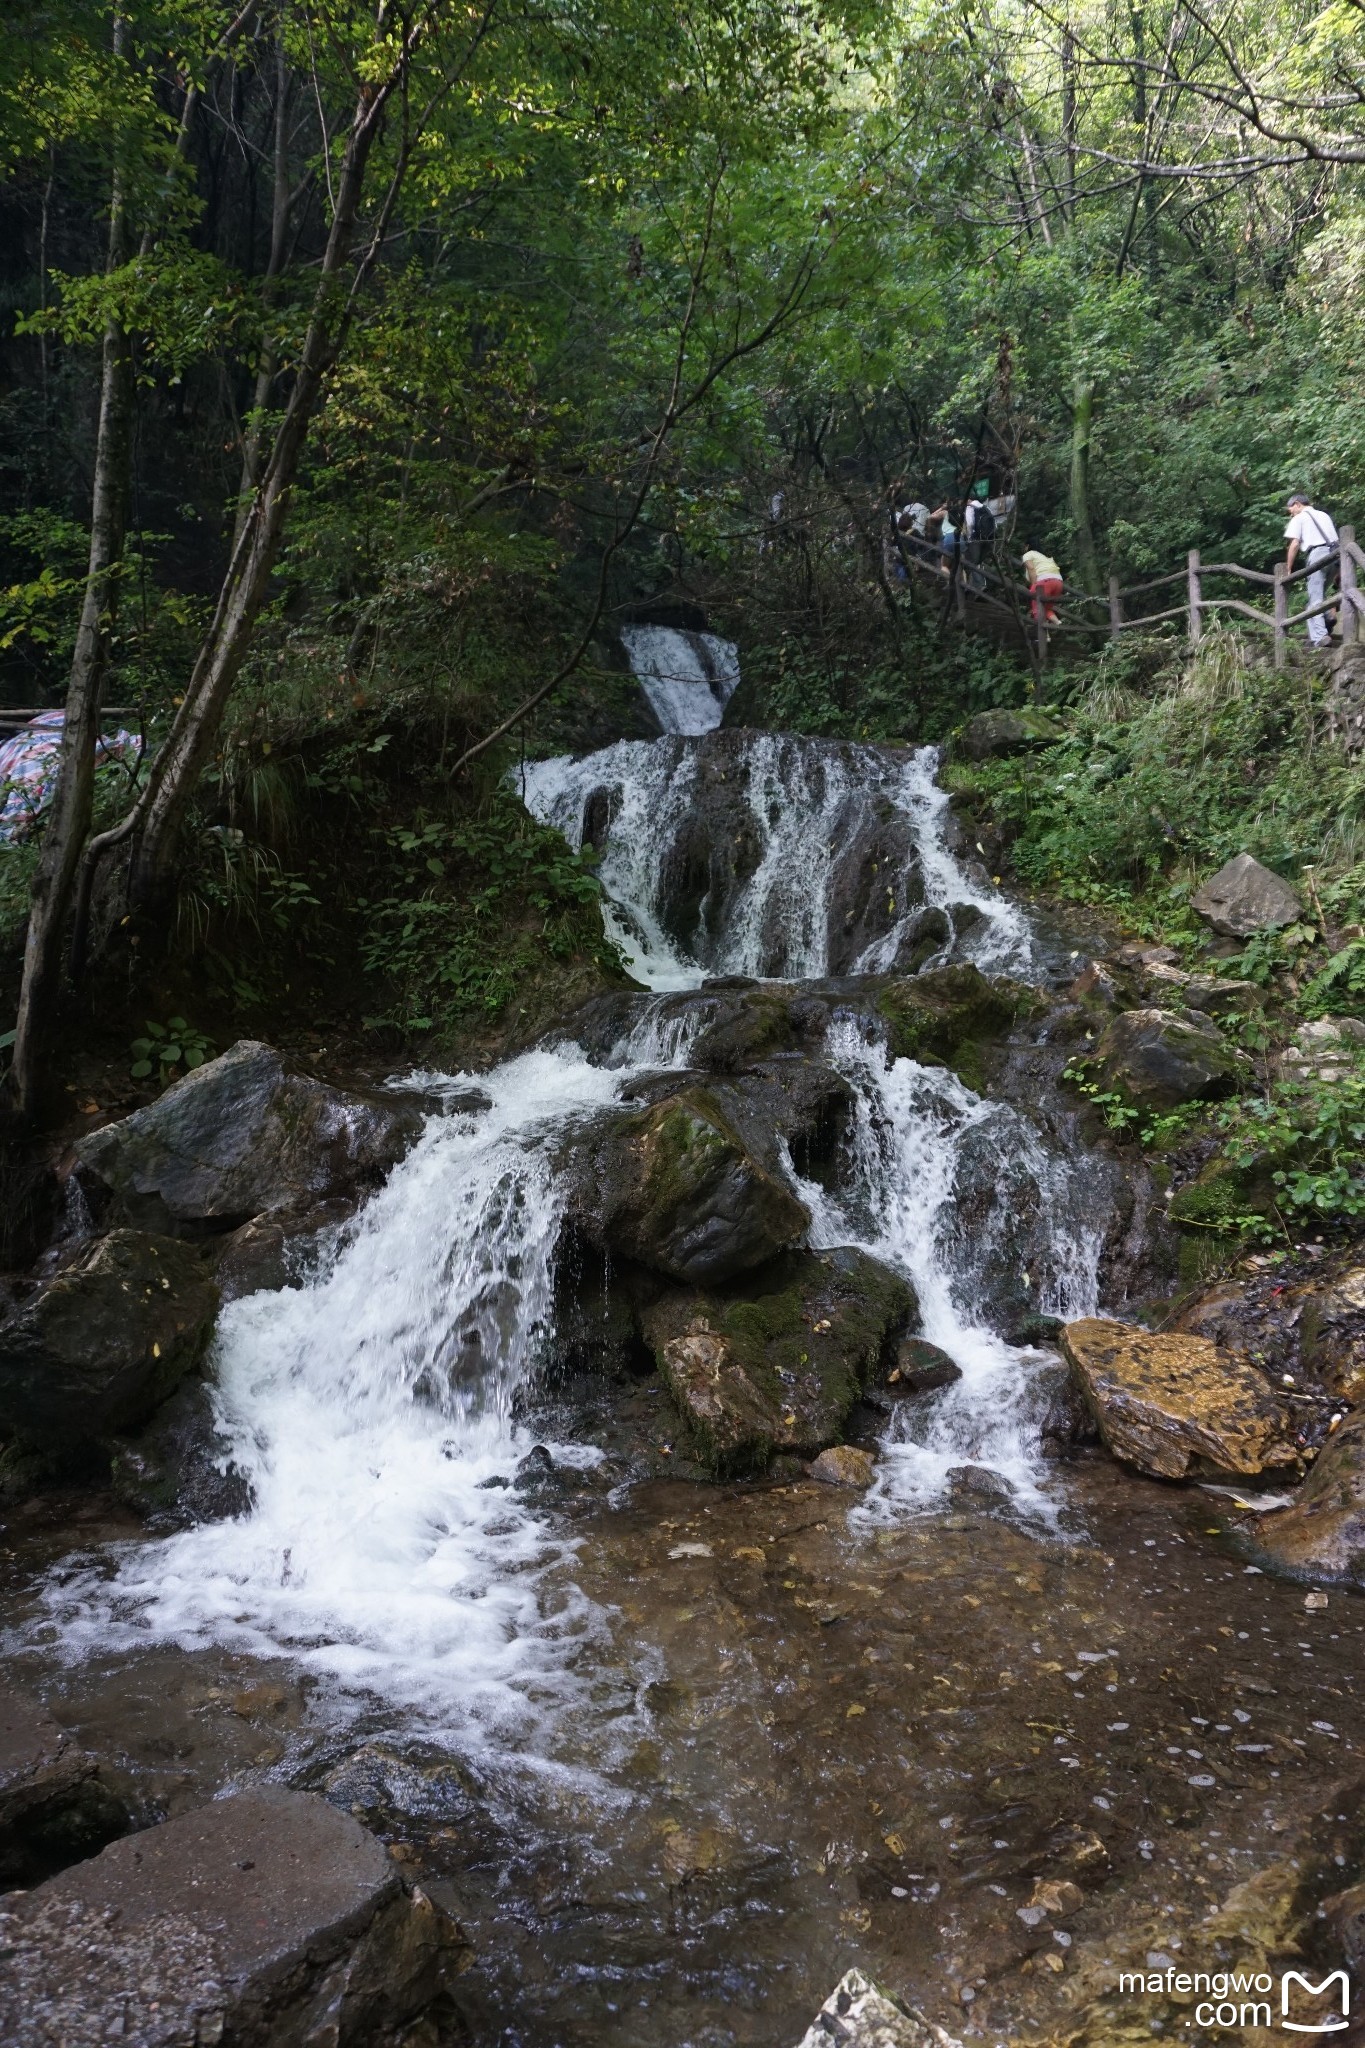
<point x="689" y="678"/>
<point x="370" y="1410"/>
<point x="804" y="806"/>
<point x="914" y="1131"/>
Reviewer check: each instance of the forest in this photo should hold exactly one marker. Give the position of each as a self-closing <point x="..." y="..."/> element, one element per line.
<point x="536" y="900"/>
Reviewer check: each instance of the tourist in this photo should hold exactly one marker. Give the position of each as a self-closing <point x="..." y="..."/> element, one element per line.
<point x="1313" y="534"/>
<point x="978" y="526"/>
<point x="948" y="536"/>
<point x="1044" y="583"/>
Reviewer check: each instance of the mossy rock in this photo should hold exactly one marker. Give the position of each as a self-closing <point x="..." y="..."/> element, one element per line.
<point x="676" y="1188"/>
<point x="774" y="1365"/>
<point x="1223" y="1196"/>
<point x="949" y="1015"/>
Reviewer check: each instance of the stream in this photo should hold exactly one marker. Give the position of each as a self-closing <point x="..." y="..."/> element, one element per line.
<point x="677" y="1752"/>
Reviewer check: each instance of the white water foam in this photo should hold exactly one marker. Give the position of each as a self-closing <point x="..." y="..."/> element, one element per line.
<point x="689" y="678"/>
<point x="804" y="801"/>
<point x="370" y="1410"/>
<point x="911" y="1128"/>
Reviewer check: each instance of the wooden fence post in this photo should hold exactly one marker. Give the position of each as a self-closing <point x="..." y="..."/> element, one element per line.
<point x="1281" y="614"/>
<point x="1196" y="600"/>
<point x="1348" y="616"/>
<point x="1115" y="609"/>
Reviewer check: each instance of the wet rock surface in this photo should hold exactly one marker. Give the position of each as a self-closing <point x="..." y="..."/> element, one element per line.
<point x="179" y="1470"/>
<point x="267" y="1919"/>
<point x="1320" y="1536"/>
<point x="776" y="1365"/>
<point x="1163" y="1402"/>
<point x="676" y="1189"/>
<point x="1160" y="1058"/>
<point x="100" y="1345"/>
<point x="993" y="734"/>
<point x="1245" y="897"/>
<point x="53" y="1806"/>
<point x="242" y="1134"/>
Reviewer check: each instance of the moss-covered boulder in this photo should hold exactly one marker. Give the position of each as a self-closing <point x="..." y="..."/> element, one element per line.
<point x="1159" y="1059"/>
<point x="993" y="734"/>
<point x="948" y="1015"/>
<point x="676" y="1188"/>
<point x="104" y="1342"/>
<point x="776" y="1364"/>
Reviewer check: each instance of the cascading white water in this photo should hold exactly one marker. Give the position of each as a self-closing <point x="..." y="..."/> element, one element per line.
<point x="689" y="678"/>
<point x="803" y="802"/>
<point x="912" y="1128"/>
<point x="369" y="1410"/>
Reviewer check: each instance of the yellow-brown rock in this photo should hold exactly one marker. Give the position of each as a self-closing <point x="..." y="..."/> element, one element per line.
<point x="844" y="1465"/>
<point x="1163" y="1400"/>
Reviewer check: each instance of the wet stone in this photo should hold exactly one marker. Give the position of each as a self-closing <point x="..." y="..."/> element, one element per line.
<point x="859" y="2014"/>
<point x="1246" y="897"/>
<point x="844" y="1465"/>
<point x="265" y="1920"/>
<point x="1161" y="1402"/>
<point x="1321" y="1535"/>
<point x="1159" y="1058"/>
<point x="922" y="1367"/>
<point x="53" y="1807"/>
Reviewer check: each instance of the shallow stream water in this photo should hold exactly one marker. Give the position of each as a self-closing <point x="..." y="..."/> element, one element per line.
<point x="677" y="1753"/>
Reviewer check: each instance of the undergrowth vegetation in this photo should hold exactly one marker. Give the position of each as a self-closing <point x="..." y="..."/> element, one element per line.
<point x="1169" y="767"/>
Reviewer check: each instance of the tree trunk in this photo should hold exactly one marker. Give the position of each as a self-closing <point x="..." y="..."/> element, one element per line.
<point x="1082" y="413"/>
<point x="1069" y="120"/>
<point x="1146" y="192"/>
<point x="68" y="820"/>
<point x="177" y="769"/>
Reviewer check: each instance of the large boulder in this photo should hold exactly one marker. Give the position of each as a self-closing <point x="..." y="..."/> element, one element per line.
<point x="1164" y="1401"/>
<point x="1245" y="897"/>
<point x="1159" y="1059"/>
<point x="992" y="734"/>
<point x="53" y="1807"/>
<point x="675" y="1188"/>
<point x="947" y="1015"/>
<point x="1321" y="1534"/>
<point x="105" y="1341"/>
<point x="241" y="1134"/>
<point x="266" y="1920"/>
<point x="777" y="1363"/>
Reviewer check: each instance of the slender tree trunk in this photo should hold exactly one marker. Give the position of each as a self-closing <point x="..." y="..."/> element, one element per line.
<point x="267" y="368"/>
<point x="1082" y="415"/>
<point x="68" y="820"/>
<point x="1069" y="121"/>
<point x="1146" y="192"/>
<point x="177" y="769"/>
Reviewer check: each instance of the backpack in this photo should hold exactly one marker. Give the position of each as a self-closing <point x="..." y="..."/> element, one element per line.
<point x="983" y="522"/>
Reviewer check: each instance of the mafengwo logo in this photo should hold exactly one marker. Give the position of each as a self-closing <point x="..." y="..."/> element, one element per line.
<point x="1229" y="2000"/>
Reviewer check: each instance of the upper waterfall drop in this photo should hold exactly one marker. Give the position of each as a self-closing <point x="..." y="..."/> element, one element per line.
<point x="778" y="857"/>
<point x="689" y="678"/>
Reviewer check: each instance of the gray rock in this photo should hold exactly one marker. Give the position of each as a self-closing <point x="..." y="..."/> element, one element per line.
<point x="52" y="1805"/>
<point x="1159" y="1058"/>
<point x="859" y="2014"/>
<point x="992" y="734"/>
<point x="1245" y="897"/>
<point x="243" y="1134"/>
<point x="277" y="1249"/>
<point x="1320" y="1536"/>
<point x="105" y="1341"/>
<point x="675" y="1188"/>
<point x="179" y="1470"/>
<point x="1327" y="1050"/>
<point x="268" y="1920"/>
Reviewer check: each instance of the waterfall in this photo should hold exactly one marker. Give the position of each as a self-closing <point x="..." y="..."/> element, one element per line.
<point x="689" y="678"/>
<point x="914" y="1133"/>
<point x="389" y="1548"/>
<point x="809" y="814"/>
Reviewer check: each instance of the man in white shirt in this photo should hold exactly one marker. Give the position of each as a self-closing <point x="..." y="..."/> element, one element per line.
<point x="1313" y="534"/>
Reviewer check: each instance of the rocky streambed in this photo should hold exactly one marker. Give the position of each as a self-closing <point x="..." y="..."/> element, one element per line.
<point x="686" y="1495"/>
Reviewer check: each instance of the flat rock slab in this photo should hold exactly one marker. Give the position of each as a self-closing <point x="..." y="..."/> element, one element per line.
<point x="38" y="1760"/>
<point x="1162" y="1401"/>
<point x="859" y="2014"/>
<point x="1246" y="897"/>
<point x="268" y="1920"/>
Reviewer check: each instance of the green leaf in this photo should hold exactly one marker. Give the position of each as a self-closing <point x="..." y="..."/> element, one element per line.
<point x="140" y="1069"/>
<point x="179" y="1026"/>
<point x="141" y="1047"/>
<point x="194" y="1058"/>
<point x="7" y="1039"/>
<point x="156" y="1031"/>
<point x="169" y="1055"/>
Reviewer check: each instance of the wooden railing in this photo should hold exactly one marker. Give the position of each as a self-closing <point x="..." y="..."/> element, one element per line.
<point x="985" y="584"/>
